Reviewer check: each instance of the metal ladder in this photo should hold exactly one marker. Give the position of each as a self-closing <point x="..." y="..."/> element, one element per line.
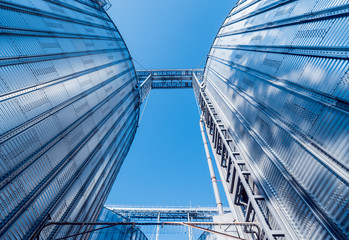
<point x="248" y="200"/>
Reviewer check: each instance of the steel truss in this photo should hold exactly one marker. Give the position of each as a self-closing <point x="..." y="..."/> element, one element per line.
<point x="244" y="193"/>
<point x="167" y="214"/>
<point x="168" y="78"/>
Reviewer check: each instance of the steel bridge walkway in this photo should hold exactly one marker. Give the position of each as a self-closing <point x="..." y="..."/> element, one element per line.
<point x="166" y="78"/>
<point x="167" y="213"/>
<point x="194" y="215"/>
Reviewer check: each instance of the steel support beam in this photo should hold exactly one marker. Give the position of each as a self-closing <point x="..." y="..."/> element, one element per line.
<point x="158" y="228"/>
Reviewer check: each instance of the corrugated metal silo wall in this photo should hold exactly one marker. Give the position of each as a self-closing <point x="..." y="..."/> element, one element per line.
<point x="68" y="112"/>
<point x="278" y="73"/>
<point x="118" y="232"/>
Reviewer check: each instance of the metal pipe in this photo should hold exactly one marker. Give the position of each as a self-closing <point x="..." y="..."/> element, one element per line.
<point x="190" y="234"/>
<point x="210" y="166"/>
<point x="158" y="228"/>
<point x="112" y="224"/>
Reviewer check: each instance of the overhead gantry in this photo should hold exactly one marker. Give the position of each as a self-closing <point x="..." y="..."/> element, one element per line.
<point x="166" y="78"/>
<point x="194" y="217"/>
<point x="244" y="193"/>
<point x="196" y="214"/>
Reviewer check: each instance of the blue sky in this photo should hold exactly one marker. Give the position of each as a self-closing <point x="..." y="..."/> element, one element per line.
<point x="169" y="33"/>
<point x="166" y="165"/>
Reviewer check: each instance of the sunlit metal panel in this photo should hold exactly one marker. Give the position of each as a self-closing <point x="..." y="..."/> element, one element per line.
<point x="277" y="74"/>
<point x="116" y="232"/>
<point x="68" y="113"/>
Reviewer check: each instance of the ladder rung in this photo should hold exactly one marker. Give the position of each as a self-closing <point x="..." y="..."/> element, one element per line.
<point x="277" y="233"/>
<point x="258" y="197"/>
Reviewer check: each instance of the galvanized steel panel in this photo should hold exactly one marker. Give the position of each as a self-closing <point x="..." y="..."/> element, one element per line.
<point x="68" y="109"/>
<point x="289" y="110"/>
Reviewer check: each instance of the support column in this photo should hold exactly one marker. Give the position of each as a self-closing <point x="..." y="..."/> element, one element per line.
<point x="190" y="230"/>
<point x="210" y="166"/>
<point x="158" y="228"/>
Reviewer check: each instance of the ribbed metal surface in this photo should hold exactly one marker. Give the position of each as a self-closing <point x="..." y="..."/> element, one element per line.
<point x="117" y="232"/>
<point x="278" y="74"/>
<point x="68" y="112"/>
